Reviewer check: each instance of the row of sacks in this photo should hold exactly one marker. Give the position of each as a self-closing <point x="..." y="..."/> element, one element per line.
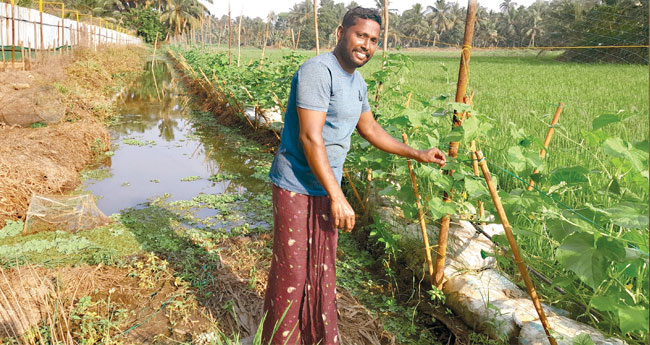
<point x="479" y="293"/>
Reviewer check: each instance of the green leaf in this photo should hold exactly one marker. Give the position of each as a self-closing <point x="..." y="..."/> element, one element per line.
<point x="611" y="248"/>
<point x="516" y="158"/>
<point x="559" y="229"/>
<point x="633" y="319"/>
<point x="604" y="303"/>
<point x="471" y="127"/>
<point x="570" y="175"/>
<point x="629" y="215"/>
<point x="604" y="120"/>
<point x="416" y="118"/>
<point x="617" y="147"/>
<point x="457" y="134"/>
<point x="579" y="254"/>
<point x="439" y="208"/>
<point x="582" y="339"/>
<point x="534" y="159"/>
<point x="475" y="188"/>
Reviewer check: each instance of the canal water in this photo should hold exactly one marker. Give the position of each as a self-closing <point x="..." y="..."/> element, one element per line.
<point x="157" y="150"/>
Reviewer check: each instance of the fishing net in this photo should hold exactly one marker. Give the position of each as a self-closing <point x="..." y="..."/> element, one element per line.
<point x="63" y="212"/>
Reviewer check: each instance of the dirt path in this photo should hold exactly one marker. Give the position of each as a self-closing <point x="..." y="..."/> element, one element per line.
<point x="52" y="121"/>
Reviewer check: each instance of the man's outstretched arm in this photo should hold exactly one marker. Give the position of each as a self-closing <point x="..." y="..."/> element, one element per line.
<point x="311" y="137"/>
<point x="378" y="137"/>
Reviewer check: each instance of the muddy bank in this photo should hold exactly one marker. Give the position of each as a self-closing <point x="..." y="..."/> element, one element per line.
<point x="58" y="126"/>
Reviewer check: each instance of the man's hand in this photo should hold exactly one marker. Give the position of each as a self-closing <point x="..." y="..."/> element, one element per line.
<point x="433" y="155"/>
<point x="343" y="214"/>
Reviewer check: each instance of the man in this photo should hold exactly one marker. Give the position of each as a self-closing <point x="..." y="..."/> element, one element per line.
<point x="328" y="100"/>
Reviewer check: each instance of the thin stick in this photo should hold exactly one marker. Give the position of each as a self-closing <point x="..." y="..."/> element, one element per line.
<point x="385" y="47"/>
<point x="354" y="189"/>
<point x="266" y="36"/>
<point x="423" y="224"/>
<point x="513" y="246"/>
<point x="241" y="14"/>
<point x="316" y="26"/>
<point x="461" y="89"/>
<point x="229" y="37"/>
<point x="547" y="140"/>
<point x="543" y="278"/>
<point x="481" y="208"/>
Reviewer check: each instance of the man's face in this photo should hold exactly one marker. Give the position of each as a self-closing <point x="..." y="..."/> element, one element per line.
<point x="357" y="43"/>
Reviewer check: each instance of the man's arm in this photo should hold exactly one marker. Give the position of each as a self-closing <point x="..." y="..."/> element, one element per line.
<point x="377" y="136"/>
<point x="311" y="137"/>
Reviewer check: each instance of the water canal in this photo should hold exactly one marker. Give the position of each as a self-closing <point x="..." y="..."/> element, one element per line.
<point x="162" y="148"/>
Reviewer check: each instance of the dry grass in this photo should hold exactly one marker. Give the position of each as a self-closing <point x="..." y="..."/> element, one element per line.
<point x="47" y="160"/>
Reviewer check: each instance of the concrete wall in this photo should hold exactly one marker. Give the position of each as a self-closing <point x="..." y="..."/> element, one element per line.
<point x="28" y="30"/>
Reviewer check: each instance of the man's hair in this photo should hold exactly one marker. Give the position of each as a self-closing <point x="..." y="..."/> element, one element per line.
<point x="360" y="12"/>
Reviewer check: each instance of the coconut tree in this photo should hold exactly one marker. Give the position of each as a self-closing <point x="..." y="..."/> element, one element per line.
<point x="179" y="13"/>
<point x="414" y="24"/>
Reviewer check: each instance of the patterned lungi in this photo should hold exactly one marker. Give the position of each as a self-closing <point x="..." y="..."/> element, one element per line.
<point x="302" y="279"/>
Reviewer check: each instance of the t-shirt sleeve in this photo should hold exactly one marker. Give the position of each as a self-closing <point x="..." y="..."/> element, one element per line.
<point x="313" y="88"/>
<point x="365" y="107"/>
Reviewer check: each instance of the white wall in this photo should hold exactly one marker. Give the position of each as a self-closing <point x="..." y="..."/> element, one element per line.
<point x="27" y="27"/>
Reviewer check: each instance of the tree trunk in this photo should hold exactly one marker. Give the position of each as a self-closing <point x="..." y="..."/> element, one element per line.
<point x="298" y="38"/>
<point x="316" y="26"/>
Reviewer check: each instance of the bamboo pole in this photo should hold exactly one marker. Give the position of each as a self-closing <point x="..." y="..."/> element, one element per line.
<point x="13" y="33"/>
<point x="383" y="56"/>
<point x="354" y="189"/>
<point x="229" y="37"/>
<point x="481" y="207"/>
<point x="316" y="26"/>
<point x="547" y="140"/>
<point x="513" y="246"/>
<point x="241" y="14"/>
<point x="385" y="47"/>
<point x="461" y="89"/>
<point x="266" y="36"/>
<point x="423" y="224"/>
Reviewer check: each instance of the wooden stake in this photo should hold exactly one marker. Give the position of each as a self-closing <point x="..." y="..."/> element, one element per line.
<point x="241" y="14"/>
<point x="354" y="189"/>
<point x="461" y="89"/>
<point x="513" y="246"/>
<point x="316" y="26"/>
<point x="13" y="35"/>
<point x="385" y="47"/>
<point x="229" y="37"/>
<point x="266" y="36"/>
<point x="547" y="140"/>
<point x="481" y="208"/>
<point x="423" y="224"/>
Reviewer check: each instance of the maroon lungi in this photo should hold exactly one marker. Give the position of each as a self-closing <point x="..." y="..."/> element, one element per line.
<point x="302" y="279"/>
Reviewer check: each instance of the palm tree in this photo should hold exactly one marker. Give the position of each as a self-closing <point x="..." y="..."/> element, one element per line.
<point x="440" y="18"/>
<point x="299" y="15"/>
<point x="507" y="6"/>
<point x="414" y="23"/>
<point x="179" y="13"/>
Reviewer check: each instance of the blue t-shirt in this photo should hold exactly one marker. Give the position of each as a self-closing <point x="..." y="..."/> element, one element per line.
<point x="320" y="84"/>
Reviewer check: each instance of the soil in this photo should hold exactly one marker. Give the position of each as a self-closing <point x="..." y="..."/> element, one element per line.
<point x="68" y="98"/>
<point x="30" y="295"/>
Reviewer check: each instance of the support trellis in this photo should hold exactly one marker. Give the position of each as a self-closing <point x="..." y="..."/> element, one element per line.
<point x="479" y="160"/>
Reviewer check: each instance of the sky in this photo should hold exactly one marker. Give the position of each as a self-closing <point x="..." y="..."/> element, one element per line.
<point x="261" y="8"/>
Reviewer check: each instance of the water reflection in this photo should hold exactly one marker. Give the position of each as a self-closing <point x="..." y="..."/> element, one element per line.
<point x="157" y="147"/>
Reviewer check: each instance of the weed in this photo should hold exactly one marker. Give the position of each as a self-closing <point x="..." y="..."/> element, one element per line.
<point x="38" y="124"/>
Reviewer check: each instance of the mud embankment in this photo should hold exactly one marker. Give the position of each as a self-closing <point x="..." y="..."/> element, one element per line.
<point x="53" y="124"/>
